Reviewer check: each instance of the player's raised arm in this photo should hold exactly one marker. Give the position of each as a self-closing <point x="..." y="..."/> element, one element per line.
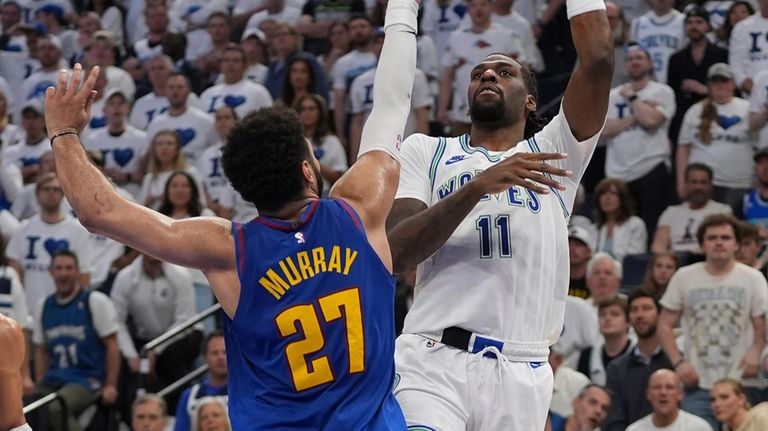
<point x="205" y="244"/>
<point x="370" y="185"/>
<point x="586" y="98"/>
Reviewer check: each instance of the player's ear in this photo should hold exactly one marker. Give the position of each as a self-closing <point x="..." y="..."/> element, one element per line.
<point x="530" y="103"/>
<point x="307" y="172"/>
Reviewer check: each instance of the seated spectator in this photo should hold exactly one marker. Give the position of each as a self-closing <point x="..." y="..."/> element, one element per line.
<point x="148" y="413"/>
<point x="603" y="278"/>
<point x="214" y="385"/>
<point x="79" y="368"/>
<point x="749" y="249"/>
<point x="660" y="271"/>
<point x="721" y="307"/>
<point x="678" y="224"/>
<point x="739" y="11"/>
<point x="26" y="154"/>
<point x="580" y="247"/>
<point x="716" y="132"/>
<point x="613" y="321"/>
<point x="313" y="114"/>
<point x="256" y="48"/>
<point x="732" y="409"/>
<point x="568" y="383"/>
<point x="590" y="408"/>
<point x="212" y="416"/>
<point x="164" y="157"/>
<point x="665" y="391"/>
<point x="619" y="232"/>
<point x="627" y="376"/>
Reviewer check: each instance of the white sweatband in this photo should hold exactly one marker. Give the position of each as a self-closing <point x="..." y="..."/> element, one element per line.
<point x="402" y="12"/>
<point x="578" y="7"/>
<point x="24" y="427"/>
<point x="393" y="81"/>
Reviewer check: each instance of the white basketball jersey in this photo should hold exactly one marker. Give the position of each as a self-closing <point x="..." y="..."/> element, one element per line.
<point x="504" y="271"/>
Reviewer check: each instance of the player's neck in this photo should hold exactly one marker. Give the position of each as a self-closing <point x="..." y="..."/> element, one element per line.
<point x="496" y="138"/>
<point x="292" y="210"/>
<point x="661" y="421"/>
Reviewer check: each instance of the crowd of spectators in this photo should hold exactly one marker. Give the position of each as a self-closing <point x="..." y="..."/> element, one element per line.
<point x="667" y="262"/>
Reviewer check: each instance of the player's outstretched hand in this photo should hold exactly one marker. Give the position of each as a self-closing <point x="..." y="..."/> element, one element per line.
<point x="525" y="170"/>
<point x="68" y="105"/>
<point x="12" y="340"/>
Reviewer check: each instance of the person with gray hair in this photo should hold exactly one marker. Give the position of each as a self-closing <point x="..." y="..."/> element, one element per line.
<point x="665" y="391"/>
<point x="149" y="413"/>
<point x="212" y="416"/>
<point x="604" y="275"/>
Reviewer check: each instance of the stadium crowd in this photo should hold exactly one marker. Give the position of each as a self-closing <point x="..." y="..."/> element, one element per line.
<point x="665" y="322"/>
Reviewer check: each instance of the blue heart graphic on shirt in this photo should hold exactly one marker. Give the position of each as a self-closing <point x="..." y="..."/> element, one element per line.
<point x="29" y="161"/>
<point x="98" y="122"/>
<point x="192" y="9"/>
<point x="319" y="153"/>
<point x="186" y="135"/>
<point x="234" y="101"/>
<point x="726" y="122"/>
<point x="122" y="156"/>
<point x="460" y="10"/>
<point x="12" y="48"/>
<point x="53" y="245"/>
<point x="38" y="91"/>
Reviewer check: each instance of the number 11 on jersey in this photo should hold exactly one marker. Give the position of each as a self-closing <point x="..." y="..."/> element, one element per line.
<point x="501" y="223"/>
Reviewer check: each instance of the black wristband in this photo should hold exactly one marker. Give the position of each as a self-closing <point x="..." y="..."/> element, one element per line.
<point x="632" y="98"/>
<point x="66" y="132"/>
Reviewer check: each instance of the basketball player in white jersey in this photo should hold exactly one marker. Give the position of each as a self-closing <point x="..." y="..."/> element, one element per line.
<point x="491" y="241"/>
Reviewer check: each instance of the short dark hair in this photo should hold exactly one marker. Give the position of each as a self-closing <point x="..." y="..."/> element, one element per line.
<point x="719" y="220"/>
<point x="234" y="48"/>
<point x="213" y="334"/>
<point x="194" y="208"/>
<point x="749" y="231"/>
<point x="626" y="203"/>
<point x="179" y="74"/>
<point x="614" y="300"/>
<point x="65" y="253"/>
<point x="360" y="16"/>
<point x="263" y="157"/>
<point x="698" y="167"/>
<point x="641" y="292"/>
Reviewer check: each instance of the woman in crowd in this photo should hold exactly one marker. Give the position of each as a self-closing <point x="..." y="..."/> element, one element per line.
<point x="715" y="132"/>
<point x="730" y="406"/>
<point x="181" y="198"/>
<point x="328" y="149"/>
<point x="619" y="231"/>
<point x="338" y="35"/>
<point x="212" y="416"/>
<point x="660" y="271"/>
<point x="299" y="81"/>
<point x="738" y="11"/>
<point x="164" y="158"/>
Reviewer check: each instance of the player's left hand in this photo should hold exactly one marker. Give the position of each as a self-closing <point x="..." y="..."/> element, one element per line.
<point x="68" y="106"/>
<point x="750" y="363"/>
<point x="108" y="395"/>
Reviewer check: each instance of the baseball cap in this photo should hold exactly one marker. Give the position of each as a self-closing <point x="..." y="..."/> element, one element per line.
<point x="581" y="234"/>
<point x="115" y="92"/>
<point x="52" y="9"/>
<point x="52" y="39"/>
<point x="720" y="70"/>
<point x="762" y="152"/>
<point x="34" y="104"/>
<point x="254" y="32"/>
<point x="699" y="11"/>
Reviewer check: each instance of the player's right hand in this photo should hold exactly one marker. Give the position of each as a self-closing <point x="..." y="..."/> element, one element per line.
<point x="523" y="169"/>
<point x="688" y="374"/>
<point x="12" y="340"/>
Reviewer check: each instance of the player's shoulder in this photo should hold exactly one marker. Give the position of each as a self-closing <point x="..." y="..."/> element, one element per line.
<point x="422" y="141"/>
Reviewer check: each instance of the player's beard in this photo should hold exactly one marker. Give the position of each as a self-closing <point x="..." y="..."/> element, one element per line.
<point x="490" y="115"/>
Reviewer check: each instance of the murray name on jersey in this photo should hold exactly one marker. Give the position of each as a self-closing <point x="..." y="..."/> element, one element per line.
<point x="304" y="265"/>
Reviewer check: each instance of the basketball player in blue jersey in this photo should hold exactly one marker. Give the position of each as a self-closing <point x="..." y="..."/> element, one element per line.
<point x="306" y="287"/>
<point x="11" y="358"/>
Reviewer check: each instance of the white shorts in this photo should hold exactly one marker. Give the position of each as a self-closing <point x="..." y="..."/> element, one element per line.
<point x="442" y="388"/>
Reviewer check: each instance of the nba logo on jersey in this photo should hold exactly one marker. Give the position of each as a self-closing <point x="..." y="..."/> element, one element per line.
<point x="299" y="238"/>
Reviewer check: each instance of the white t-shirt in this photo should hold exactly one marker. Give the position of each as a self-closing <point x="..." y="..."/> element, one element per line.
<point x="25" y="155"/>
<point x="149" y="106"/>
<point x="684" y="222"/>
<point x="566" y="386"/>
<point x="350" y="66"/>
<point x="438" y="22"/>
<point x="466" y="49"/>
<point x="35" y="85"/>
<point x="716" y="317"/>
<point x="16" y="67"/>
<point x="244" y="96"/>
<point x="288" y="15"/>
<point x="757" y="103"/>
<point x="748" y="48"/>
<point x="216" y="184"/>
<point x="662" y="36"/>
<point x="636" y="151"/>
<point x="684" y="422"/>
<point x="194" y="128"/>
<point x="361" y="97"/>
<point x="730" y="151"/>
<point x="34" y="243"/>
<point x="119" y="152"/>
<point x="13" y="302"/>
<point x="502" y="248"/>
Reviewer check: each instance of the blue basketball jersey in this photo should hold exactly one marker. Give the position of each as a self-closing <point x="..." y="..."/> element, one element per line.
<point x="755" y="209"/>
<point x="76" y="351"/>
<point x="311" y="345"/>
